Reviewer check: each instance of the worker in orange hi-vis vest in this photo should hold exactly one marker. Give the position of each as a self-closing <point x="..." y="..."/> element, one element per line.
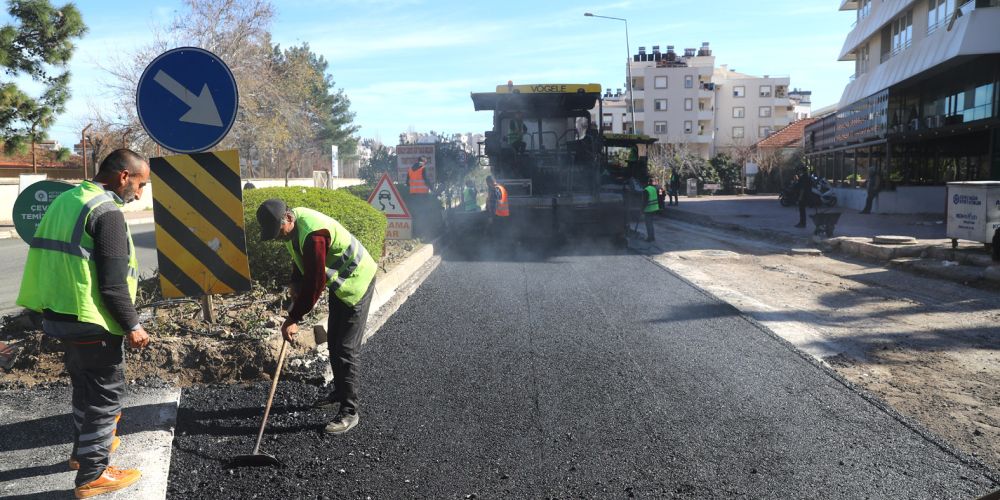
<point x="496" y="202"/>
<point x="497" y="206"/>
<point x="417" y="178"/>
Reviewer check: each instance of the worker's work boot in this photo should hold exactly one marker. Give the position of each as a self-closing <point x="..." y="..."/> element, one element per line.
<point x="112" y="479"/>
<point x="74" y="464"/>
<point x="343" y="422"/>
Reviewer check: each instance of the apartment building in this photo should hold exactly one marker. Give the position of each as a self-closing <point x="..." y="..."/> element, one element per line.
<point x="921" y="108"/>
<point x="685" y="99"/>
<point x="751" y="108"/>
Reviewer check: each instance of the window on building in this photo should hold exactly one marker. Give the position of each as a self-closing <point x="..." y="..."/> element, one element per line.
<point x="737" y="132"/>
<point x="659" y="127"/>
<point x="688" y="126"/>
<point x="938" y="14"/>
<point x="973" y="103"/>
<point x="739" y="91"/>
<point x="764" y="111"/>
<point x="688" y="104"/>
<point x="763" y="132"/>
<point x="861" y="63"/>
<point x="739" y="112"/>
<point x="660" y="82"/>
<point x="638" y="83"/>
<point x="688" y="81"/>
<point x="660" y="104"/>
<point x="765" y="91"/>
<point x="902" y="32"/>
<point x="607" y="120"/>
<point x="864" y="9"/>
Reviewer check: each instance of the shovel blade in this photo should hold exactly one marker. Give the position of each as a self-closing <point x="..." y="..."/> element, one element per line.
<point x="258" y="460"/>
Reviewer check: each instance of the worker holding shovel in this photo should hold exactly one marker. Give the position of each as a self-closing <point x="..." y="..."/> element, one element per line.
<point x="326" y="255"/>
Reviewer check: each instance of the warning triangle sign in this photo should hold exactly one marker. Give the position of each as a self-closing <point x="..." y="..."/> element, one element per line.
<point x="387" y="200"/>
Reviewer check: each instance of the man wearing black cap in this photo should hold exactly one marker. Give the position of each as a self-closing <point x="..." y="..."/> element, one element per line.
<point x="326" y="255"/>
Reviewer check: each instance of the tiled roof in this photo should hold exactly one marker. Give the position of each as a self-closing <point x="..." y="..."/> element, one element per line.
<point x="788" y="137"/>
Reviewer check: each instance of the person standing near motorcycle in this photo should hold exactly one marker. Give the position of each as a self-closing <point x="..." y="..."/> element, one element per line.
<point x="873" y="185"/>
<point x="804" y="186"/>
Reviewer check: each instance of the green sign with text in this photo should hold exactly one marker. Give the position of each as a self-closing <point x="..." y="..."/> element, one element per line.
<point x="32" y="203"/>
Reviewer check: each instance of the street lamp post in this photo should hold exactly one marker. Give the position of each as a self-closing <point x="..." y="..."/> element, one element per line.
<point x="628" y="65"/>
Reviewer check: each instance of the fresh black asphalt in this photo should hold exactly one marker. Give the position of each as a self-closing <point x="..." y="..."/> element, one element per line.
<point x="594" y="374"/>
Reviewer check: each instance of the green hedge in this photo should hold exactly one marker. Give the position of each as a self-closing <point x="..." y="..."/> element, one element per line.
<point x="361" y="191"/>
<point x="270" y="262"/>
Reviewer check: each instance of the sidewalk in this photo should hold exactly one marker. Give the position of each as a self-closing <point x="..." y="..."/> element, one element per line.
<point x="132" y="218"/>
<point x="764" y="217"/>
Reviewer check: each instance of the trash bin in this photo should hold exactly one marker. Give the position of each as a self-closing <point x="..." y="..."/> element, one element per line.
<point x="692" y="188"/>
<point x="973" y="211"/>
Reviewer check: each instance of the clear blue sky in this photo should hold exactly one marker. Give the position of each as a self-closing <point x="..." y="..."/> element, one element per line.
<point x="412" y="63"/>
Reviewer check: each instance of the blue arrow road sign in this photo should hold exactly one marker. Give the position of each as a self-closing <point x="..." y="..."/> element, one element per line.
<point x="187" y="99"/>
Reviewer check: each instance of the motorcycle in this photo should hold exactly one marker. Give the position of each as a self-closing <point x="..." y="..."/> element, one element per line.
<point x="822" y="193"/>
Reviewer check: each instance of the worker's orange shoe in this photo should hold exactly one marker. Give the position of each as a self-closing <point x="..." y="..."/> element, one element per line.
<point x="112" y="479"/>
<point x="74" y="464"/>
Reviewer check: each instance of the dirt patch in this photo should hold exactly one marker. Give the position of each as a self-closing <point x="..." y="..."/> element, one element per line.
<point x="927" y="347"/>
<point x="954" y="396"/>
<point x="242" y="345"/>
<point x="205" y="355"/>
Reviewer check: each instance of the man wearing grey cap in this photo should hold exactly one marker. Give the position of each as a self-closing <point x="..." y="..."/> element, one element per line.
<point x="326" y="255"/>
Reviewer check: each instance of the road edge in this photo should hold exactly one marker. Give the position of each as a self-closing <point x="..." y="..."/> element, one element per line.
<point x="867" y="395"/>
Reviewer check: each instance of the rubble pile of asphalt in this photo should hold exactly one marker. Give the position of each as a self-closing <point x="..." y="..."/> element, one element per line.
<point x="594" y="374"/>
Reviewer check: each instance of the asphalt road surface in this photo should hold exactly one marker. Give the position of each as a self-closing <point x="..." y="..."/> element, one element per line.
<point x="15" y="251"/>
<point x="593" y="375"/>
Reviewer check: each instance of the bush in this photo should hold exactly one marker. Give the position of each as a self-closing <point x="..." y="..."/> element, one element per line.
<point x="269" y="260"/>
<point x="361" y="191"/>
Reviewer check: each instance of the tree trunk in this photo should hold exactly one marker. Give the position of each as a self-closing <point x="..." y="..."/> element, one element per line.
<point x="34" y="166"/>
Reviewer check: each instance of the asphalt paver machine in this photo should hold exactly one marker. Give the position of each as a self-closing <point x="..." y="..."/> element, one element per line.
<point x="545" y="150"/>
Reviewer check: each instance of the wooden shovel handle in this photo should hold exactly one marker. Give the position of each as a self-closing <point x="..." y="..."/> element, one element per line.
<point x="270" y="397"/>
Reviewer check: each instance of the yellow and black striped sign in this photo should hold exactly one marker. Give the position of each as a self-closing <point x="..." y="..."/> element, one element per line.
<point x="198" y="208"/>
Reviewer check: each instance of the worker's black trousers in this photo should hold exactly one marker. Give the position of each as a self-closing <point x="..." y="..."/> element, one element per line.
<point x="346" y="327"/>
<point x="647" y="217"/>
<point x="97" y="370"/>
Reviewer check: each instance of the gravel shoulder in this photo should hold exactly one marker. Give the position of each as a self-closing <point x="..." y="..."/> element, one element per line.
<point x="927" y="347"/>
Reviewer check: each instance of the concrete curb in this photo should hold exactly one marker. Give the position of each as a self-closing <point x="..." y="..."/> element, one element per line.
<point x="929" y="257"/>
<point x="386" y="286"/>
<point x="391" y="291"/>
<point x="36" y="465"/>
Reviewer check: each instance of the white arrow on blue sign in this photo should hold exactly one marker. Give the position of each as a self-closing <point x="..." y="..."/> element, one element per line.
<point x="187" y="99"/>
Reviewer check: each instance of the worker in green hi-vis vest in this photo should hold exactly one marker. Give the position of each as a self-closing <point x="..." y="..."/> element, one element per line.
<point x="326" y="255"/>
<point x="81" y="275"/>
<point x="469" y="202"/>
<point x="651" y="208"/>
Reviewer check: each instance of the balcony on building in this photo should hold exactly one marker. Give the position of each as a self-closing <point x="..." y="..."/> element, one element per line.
<point x="706" y="112"/>
<point x="706" y="89"/>
<point x="973" y="33"/>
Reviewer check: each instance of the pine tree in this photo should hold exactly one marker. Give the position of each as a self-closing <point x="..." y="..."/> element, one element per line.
<point x="38" y="44"/>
